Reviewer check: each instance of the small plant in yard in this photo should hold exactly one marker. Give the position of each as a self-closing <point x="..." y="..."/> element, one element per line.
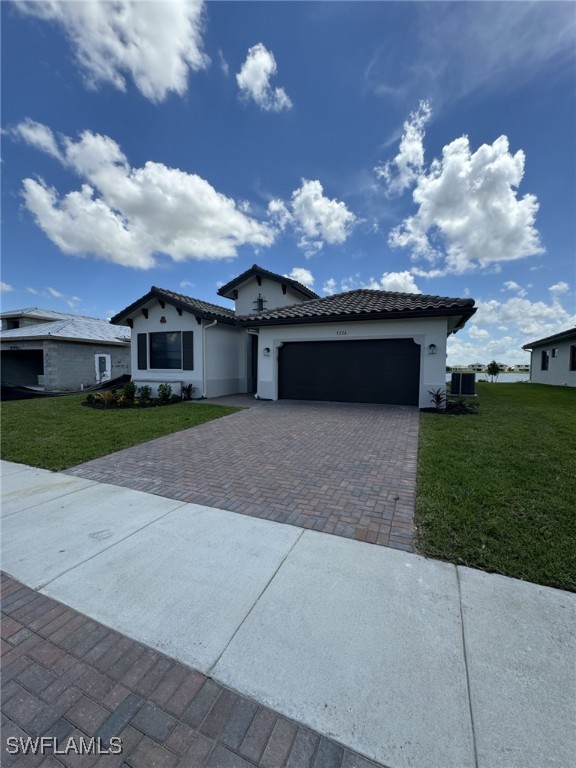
<point x="187" y="391"/>
<point x="129" y="391"/>
<point x="438" y="398"/>
<point x="144" y="393"/>
<point x="164" y="393"/>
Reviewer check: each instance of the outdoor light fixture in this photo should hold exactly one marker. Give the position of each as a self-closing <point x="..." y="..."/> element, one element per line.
<point x="266" y="351"/>
<point x="431" y="349"/>
<point x="162" y="319"/>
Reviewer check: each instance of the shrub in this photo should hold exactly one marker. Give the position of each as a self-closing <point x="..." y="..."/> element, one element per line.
<point x="145" y="392"/>
<point x="129" y="391"/>
<point x="187" y="391"/>
<point x="108" y="398"/>
<point x="164" y="393"/>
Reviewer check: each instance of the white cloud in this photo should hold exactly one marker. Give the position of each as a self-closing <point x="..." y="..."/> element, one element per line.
<point x="127" y="215"/>
<point x="52" y="293"/>
<point x="401" y="172"/>
<point x="329" y="286"/>
<point x="478" y="333"/>
<point x="38" y="135"/>
<point x="5" y="287"/>
<point x="400" y="282"/>
<point x="397" y="282"/>
<point x="528" y="319"/>
<point x="469" y="215"/>
<point x="301" y="275"/>
<point x="510" y="285"/>
<point x="223" y="63"/>
<point x="254" y="80"/>
<point x="559" y="288"/>
<point x="518" y="41"/>
<point x="315" y="217"/>
<point x="156" y="44"/>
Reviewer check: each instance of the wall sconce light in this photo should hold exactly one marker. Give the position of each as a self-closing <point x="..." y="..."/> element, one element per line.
<point x="266" y="351"/>
<point x="431" y="349"/>
<point x="162" y="319"/>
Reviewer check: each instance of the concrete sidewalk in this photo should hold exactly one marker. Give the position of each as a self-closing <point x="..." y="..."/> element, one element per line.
<point x="408" y="661"/>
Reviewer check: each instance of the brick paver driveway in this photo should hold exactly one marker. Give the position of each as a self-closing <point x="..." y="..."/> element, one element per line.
<point x="341" y="468"/>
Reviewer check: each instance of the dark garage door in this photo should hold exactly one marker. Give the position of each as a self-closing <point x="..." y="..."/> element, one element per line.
<point x="367" y="371"/>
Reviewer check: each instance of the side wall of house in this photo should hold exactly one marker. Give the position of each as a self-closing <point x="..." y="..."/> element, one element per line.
<point x="226" y="360"/>
<point x="423" y="331"/>
<point x="558" y="373"/>
<point x="71" y="365"/>
<point x="66" y="365"/>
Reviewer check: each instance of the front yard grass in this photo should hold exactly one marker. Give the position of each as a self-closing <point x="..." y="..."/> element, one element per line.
<point x="59" y="432"/>
<point x="497" y="490"/>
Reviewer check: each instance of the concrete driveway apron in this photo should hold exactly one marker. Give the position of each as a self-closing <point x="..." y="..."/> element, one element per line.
<point x="341" y="468"/>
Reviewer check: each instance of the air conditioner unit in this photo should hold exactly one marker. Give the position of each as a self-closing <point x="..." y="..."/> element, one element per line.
<point x="463" y="384"/>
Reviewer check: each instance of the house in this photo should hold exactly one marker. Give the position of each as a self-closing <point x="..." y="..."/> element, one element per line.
<point x="553" y="359"/>
<point x="58" y="351"/>
<point x="282" y="340"/>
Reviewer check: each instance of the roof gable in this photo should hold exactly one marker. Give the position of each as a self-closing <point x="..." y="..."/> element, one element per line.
<point x="256" y="272"/>
<point x="180" y="301"/>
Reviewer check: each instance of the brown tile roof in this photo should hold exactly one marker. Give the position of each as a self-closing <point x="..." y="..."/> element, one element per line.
<point x="362" y="304"/>
<point x="365" y="303"/>
<point x="187" y="303"/>
<point x="255" y="270"/>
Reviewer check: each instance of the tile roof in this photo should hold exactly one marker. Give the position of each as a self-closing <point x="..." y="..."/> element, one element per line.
<point x="188" y="303"/>
<point x="256" y="270"/>
<point x="76" y="329"/>
<point x="360" y="304"/>
<point x="366" y="302"/>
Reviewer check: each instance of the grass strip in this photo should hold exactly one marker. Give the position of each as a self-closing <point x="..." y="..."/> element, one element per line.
<point x="497" y="490"/>
<point x="59" y="432"/>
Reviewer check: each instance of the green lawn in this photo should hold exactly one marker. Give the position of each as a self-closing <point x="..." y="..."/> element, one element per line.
<point x="59" y="432"/>
<point x="497" y="490"/>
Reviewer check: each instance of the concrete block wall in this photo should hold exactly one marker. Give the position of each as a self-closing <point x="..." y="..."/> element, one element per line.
<point x="69" y="365"/>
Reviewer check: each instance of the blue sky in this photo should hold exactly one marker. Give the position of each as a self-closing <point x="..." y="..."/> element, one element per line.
<point x="411" y="146"/>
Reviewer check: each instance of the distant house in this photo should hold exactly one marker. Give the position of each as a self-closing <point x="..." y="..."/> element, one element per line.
<point x="477" y="367"/>
<point x="58" y="351"/>
<point x="553" y="359"/>
<point x="284" y="341"/>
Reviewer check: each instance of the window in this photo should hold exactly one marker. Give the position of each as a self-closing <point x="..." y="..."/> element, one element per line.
<point x="544" y="360"/>
<point x="12" y="324"/>
<point x="555" y="352"/>
<point x="573" y="357"/>
<point x="166" y="350"/>
<point x="170" y="350"/>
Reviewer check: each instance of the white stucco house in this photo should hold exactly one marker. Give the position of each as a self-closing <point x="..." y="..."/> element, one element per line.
<point x="553" y="359"/>
<point x="58" y="351"/>
<point x="282" y="340"/>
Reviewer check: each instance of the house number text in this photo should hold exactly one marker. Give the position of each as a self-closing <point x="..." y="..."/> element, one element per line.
<point x="340" y="333"/>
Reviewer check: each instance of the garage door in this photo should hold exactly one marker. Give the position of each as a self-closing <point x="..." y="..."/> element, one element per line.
<point x="367" y="371"/>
